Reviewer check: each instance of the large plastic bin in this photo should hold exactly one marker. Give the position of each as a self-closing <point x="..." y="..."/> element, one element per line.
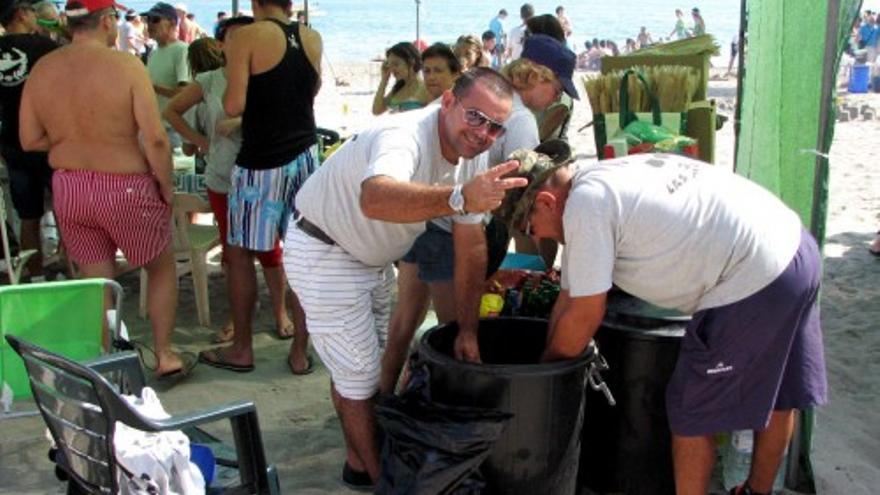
<point x="538" y="451"/>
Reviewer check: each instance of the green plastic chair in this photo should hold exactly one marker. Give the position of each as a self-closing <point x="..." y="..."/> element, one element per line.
<point x="65" y="317"/>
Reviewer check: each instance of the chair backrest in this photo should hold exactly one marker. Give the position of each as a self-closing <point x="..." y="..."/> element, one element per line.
<point x="66" y="317"/>
<point x="185" y="204"/>
<point x="81" y="408"/>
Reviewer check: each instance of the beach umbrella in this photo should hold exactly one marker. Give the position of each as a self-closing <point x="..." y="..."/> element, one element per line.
<point x="418" y="5"/>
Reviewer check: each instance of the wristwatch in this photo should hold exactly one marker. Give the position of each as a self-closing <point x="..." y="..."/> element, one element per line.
<point x="456" y="200"/>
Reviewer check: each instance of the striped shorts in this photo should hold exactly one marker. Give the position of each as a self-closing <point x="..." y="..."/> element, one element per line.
<point x="98" y="213"/>
<point x="261" y="201"/>
<point x="347" y="306"/>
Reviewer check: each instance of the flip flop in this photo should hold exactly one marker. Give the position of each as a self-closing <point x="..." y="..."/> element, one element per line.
<point x="215" y="358"/>
<point x="188" y="364"/>
<point x="285" y="333"/>
<point x="309" y="369"/>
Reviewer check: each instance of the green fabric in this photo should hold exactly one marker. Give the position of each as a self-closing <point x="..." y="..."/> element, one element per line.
<point x="63" y="317"/>
<point x="168" y="67"/>
<point x="785" y="150"/>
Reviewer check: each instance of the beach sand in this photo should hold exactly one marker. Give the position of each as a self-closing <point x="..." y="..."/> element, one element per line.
<point x="302" y="435"/>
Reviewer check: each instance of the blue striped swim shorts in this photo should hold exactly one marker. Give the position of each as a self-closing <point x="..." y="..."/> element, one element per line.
<point x="261" y="201"/>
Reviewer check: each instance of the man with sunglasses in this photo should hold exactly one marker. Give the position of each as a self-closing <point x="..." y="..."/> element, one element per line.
<point x="29" y="173"/>
<point x="112" y="182"/>
<point x="167" y="63"/>
<point x="685" y="235"/>
<point x="364" y="208"/>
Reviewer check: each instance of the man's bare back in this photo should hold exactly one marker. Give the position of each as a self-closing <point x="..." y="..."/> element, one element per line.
<point x="91" y="102"/>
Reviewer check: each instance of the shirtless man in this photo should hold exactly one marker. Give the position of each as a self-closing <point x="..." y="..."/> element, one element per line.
<point x="108" y="192"/>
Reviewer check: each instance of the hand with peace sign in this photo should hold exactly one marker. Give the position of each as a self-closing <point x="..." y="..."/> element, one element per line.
<point x="486" y="190"/>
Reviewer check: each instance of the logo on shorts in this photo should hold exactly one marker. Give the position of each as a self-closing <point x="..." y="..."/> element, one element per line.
<point x="719" y="369"/>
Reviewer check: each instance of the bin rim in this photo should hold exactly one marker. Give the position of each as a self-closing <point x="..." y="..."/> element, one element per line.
<point x="428" y="353"/>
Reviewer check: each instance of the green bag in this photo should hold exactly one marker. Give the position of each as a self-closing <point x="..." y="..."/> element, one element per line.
<point x="607" y="125"/>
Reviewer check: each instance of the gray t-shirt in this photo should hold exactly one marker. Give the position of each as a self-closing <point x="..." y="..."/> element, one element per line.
<point x="222" y="150"/>
<point x="674" y="231"/>
<point x="168" y="66"/>
<point x="405" y="147"/>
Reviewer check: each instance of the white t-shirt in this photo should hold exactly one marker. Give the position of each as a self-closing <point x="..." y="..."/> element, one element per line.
<point x="405" y="147"/>
<point x="522" y="132"/>
<point x="674" y="231"/>
<point x="517" y="40"/>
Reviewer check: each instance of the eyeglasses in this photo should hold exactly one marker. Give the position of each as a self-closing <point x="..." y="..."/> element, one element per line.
<point x="113" y="13"/>
<point x="477" y="119"/>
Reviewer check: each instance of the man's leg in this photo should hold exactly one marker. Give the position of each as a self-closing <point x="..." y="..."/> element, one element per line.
<point x="693" y="459"/>
<point x="162" y="308"/>
<point x="443" y="300"/>
<point x="242" y="283"/>
<point x="770" y="445"/>
<point x="277" y="286"/>
<point x="412" y="304"/>
<point x="101" y="269"/>
<point x="298" y="356"/>
<point x="358" y="420"/>
<point x="30" y="239"/>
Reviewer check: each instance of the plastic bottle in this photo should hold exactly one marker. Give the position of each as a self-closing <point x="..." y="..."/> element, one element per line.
<point x="736" y="458"/>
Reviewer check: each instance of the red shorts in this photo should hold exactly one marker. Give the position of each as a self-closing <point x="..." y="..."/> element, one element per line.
<point x="99" y="213"/>
<point x="220" y="205"/>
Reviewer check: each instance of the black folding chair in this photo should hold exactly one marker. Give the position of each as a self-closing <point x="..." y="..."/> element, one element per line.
<point x="81" y="408"/>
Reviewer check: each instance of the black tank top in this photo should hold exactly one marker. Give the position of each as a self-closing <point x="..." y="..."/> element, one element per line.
<point x="279" y="119"/>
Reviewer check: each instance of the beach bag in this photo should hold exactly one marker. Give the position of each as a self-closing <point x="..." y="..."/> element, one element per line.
<point x="432" y="448"/>
<point x="607" y="126"/>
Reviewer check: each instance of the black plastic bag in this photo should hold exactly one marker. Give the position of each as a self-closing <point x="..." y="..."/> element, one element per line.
<point x="432" y="448"/>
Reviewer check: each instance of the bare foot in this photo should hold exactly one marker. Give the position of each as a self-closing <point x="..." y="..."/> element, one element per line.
<point x="225" y="334"/>
<point x="300" y="365"/>
<point x="284" y="328"/>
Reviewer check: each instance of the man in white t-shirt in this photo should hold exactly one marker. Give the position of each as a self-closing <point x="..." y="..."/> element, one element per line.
<point x="682" y="234"/>
<point x="364" y="208"/>
<point x="517" y="36"/>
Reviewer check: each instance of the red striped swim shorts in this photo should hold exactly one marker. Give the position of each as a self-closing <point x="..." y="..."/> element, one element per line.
<point x="99" y="213"/>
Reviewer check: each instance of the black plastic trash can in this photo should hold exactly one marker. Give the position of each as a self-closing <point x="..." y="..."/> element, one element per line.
<point x="539" y="449"/>
<point x="627" y="448"/>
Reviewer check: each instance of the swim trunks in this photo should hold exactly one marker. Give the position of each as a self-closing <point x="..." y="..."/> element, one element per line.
<point x="99" y="213"/>
<point x="261" y="201"/>
<point x="740" y="362"/>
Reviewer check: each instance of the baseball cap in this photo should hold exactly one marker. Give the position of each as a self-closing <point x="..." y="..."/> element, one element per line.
<point x="551" y="53"/>
<point x="77" y="8"/>
<point x="162" y="9"/>
<point x="536" y="166"/>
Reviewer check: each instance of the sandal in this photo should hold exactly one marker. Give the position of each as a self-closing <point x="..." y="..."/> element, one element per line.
<point x="188" y="363"/>
<point x="216" y="359"/>
<point x="308" y="371"/>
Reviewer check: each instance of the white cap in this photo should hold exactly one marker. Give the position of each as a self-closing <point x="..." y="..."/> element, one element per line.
<point x="180" y="6"/>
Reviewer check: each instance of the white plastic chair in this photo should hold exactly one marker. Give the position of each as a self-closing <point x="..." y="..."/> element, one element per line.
<point x="14" y="264"/>
<point x="191" y="245"/>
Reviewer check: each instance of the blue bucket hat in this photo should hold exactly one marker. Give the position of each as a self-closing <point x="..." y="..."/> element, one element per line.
<point x="549" y="52"/>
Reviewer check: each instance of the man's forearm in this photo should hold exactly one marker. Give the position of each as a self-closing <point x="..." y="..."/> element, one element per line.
<point x="388" y="200"/>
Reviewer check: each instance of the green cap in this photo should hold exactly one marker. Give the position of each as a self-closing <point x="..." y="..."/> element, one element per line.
<point x="536" y="167"/>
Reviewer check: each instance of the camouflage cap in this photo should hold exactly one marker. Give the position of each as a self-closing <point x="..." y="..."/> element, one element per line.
<point x="536" y="167"/>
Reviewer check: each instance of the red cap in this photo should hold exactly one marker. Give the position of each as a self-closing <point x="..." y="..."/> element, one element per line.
<point x="76" y="8"/>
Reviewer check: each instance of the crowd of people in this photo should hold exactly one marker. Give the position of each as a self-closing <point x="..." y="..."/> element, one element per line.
<point x="431" y="188"/>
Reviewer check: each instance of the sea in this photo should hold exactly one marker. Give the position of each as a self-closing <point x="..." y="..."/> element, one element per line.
<point x="361" y="30"/>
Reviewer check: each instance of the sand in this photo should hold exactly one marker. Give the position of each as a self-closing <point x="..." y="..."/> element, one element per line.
<point x="300" y="430"/>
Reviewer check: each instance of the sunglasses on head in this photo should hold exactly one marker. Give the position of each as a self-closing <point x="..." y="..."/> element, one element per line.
<point x="477" y="119"/>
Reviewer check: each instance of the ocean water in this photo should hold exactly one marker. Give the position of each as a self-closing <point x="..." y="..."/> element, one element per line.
<point x="359" y="30"/>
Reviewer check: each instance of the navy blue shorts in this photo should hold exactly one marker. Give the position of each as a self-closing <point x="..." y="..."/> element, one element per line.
<point x="434" y="252"/>
<point x="29" y="179"/>
<point x="740" y="362"/>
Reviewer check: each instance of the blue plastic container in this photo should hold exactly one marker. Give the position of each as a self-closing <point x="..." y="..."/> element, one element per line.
<point x="859" y="79"/>
<point x="203" y="457"/>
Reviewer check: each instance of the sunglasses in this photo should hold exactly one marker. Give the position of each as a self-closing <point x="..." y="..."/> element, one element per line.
<point x="154" y="20"/>
<point x="477" y="119"/>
